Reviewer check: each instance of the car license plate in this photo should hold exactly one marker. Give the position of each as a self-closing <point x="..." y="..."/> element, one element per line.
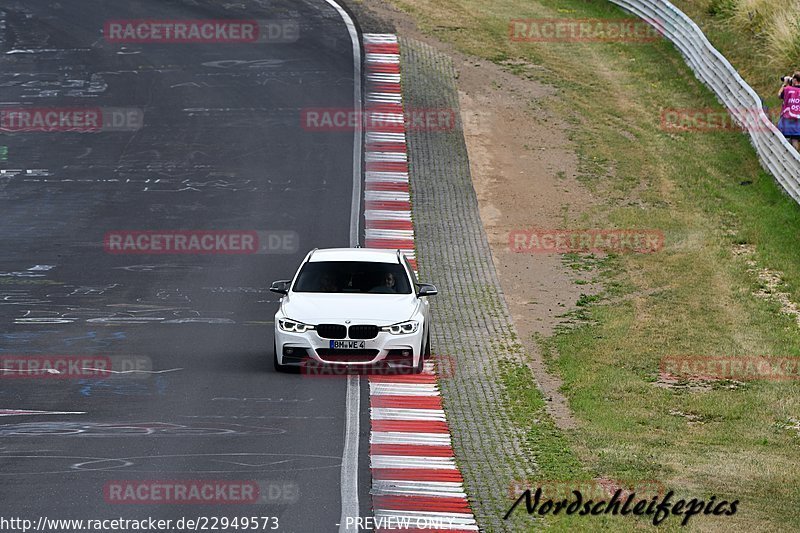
<point x="348" y="345"/>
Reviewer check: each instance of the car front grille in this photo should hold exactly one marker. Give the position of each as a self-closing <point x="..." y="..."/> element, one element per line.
<point x="363" y="332"/>
<point x="346" y="356"/>
<point x="332" y="331"/>
<point x="338" y="331"/>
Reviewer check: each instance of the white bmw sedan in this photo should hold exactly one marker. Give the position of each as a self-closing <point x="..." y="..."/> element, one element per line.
<point x="355" y="307"/>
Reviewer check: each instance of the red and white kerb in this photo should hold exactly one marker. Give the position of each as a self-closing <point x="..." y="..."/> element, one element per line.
<point x="415" y="480"/>
<point x="387" y="200"/>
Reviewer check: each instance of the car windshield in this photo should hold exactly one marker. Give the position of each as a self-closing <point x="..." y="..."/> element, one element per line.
<point x="353" y="277"/>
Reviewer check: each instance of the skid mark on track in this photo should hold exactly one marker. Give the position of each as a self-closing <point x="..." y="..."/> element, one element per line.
<point x="28" y="412"/>
<point x="210" y="463"/>
<point x="124" y="387"/>
<point x="261" y="400"/>
<point x="143" y="429"/>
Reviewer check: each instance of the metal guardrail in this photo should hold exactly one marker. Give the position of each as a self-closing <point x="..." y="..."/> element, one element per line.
<point x="776" y="154"/>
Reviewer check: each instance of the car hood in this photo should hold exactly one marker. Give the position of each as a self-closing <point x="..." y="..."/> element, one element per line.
<point x="378" y="309"/>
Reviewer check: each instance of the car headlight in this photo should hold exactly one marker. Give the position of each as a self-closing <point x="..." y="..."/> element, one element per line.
<point x="402" y="328"/>
<point x="293" y="326"/>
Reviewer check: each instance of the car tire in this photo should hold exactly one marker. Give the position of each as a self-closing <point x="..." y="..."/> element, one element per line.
<point x="427" y="351"/>
<point x="278" y="367"/>
<point x="420" y="365"/>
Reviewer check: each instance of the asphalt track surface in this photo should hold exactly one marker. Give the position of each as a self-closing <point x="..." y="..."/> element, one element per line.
<point x="221" y="148"/>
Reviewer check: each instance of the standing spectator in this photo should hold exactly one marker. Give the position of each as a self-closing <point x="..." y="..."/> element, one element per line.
<point x="789" y="123"/>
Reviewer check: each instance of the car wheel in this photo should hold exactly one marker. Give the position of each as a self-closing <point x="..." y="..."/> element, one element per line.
<point x="278" y="367"/>
<point x="420" y="365"/>
<point x="427" y="351"/>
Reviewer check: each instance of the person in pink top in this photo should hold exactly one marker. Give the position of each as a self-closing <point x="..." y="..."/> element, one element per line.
<point x="789" y="123"/>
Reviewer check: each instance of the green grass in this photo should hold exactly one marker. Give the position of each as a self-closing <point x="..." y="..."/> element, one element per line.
<point x="761" y="38"/>
<point x="527" y="409"/>
<point x="707" y="193"/>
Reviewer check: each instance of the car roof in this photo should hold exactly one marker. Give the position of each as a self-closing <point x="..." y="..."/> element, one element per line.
<point x="369" y="255"/>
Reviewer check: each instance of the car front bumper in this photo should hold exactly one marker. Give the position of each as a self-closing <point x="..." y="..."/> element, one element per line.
<point x="296" y="348"/>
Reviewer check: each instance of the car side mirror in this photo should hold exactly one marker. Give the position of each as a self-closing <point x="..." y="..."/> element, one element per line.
<point x="426" y="289"/>
<point x="280" y="287"/>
